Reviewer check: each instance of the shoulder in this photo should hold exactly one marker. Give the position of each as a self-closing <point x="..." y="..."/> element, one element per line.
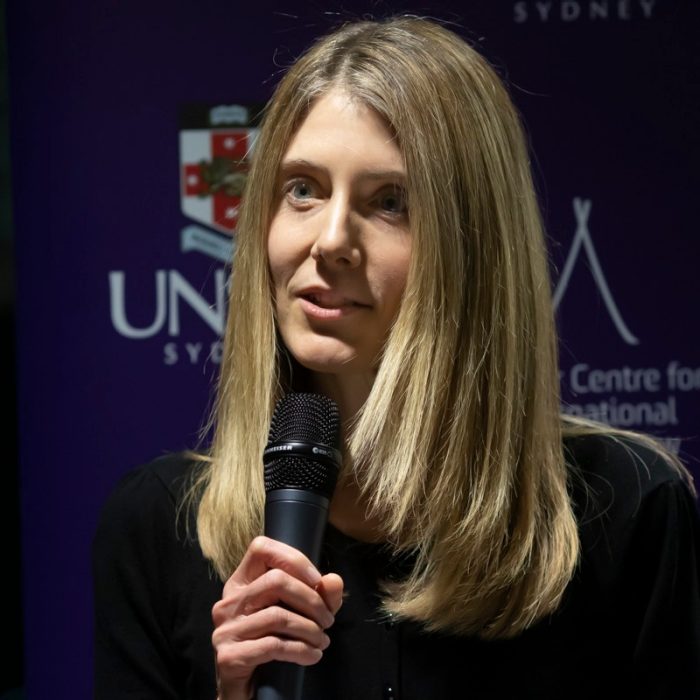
<point x="145" y="501"/>
<point x="622" y="486"/>
<point x="152" y="587"/>
<point x="609" y="451"/>
<point x="165" y="478"/>
<point x="621" y="464"/>
<point x="639" y="568"/>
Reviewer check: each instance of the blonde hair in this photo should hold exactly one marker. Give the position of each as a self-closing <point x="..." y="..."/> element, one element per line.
<point x="458" y="448"/>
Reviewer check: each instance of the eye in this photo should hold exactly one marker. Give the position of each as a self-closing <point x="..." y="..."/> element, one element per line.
<point x="392" y="201"/>
<point x="300" y="190"/>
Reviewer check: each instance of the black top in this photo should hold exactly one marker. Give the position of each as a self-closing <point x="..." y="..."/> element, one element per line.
<point x="629" y="626"/>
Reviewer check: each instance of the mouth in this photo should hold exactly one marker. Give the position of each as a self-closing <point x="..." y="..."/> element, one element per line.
<point x="326" y="298"/>
<point x="328" y="304"/>
<point x="327" y="301"/>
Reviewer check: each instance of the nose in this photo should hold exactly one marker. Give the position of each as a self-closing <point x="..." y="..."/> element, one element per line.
<point x="336" y="244"/>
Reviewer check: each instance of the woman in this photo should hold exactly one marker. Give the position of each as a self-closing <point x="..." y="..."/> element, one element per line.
<point x="391" y="256"/>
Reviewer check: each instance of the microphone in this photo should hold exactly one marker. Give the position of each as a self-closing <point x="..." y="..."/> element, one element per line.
<point x="301" y="462"/>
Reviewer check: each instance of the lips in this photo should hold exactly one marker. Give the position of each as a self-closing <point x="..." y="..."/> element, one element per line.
<point x="328" y="299"/>
<point x="327" y="304"/>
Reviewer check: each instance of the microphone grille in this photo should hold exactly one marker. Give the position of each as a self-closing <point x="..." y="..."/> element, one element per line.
<point x="307" y="417"/>
<point x="311" y="418"/>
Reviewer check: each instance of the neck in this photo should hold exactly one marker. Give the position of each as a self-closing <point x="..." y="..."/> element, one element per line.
<point x="348" y="391"/>
<point x="348" y="512"/>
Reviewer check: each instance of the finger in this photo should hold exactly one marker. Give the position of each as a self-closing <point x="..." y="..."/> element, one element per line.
<point x="272" y="588"/>
<point x="264" y="553"/>
<point x="330" y="588"/>
<point x="236" y="660"/>
<point x="272" y="621"/>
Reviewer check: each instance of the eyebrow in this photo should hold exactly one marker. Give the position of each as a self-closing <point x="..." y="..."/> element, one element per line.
<point x="293" y="163"/>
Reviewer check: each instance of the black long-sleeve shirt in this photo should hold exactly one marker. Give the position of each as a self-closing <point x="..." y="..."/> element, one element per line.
<point x="629" y="625"/>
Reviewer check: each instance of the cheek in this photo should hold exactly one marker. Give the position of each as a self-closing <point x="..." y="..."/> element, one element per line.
<point x="277" y="258"/>
<point x="276" y="274"/>
<point x="394" y="272"/>
<point x="285" y="251"/>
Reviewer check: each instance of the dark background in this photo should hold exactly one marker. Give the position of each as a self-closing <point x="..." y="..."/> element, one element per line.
<point x="11" y="670"/>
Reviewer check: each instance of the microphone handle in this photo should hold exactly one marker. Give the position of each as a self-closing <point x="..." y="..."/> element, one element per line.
<point x="297" y="518"/>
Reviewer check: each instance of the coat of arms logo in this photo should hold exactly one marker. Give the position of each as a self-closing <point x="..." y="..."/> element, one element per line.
<point x="216" y="144"/>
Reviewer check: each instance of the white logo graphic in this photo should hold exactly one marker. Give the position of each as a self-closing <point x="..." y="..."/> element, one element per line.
<point x="583" y="240"/>
<point x="581" y="10"/>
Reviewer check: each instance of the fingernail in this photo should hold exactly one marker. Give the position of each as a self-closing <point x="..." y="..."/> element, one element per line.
<point x="326" y="641"/>
<point x="328" y="621"/>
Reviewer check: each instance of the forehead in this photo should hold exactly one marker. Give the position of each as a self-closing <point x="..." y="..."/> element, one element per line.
<point x="340" y="125"/>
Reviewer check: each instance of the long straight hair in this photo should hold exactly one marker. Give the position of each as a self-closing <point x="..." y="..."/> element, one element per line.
<point x="458" y="448"/>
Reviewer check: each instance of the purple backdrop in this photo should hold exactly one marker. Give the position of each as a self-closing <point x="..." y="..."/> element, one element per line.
<point x="609" y="94"/>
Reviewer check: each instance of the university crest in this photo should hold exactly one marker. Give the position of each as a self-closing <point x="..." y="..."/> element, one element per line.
<point x="216" y="144"/>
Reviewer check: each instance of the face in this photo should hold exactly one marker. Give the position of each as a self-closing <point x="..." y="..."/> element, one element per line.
<point x="339" y="245"/>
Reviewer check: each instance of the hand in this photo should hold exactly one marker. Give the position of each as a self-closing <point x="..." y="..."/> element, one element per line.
<point x="275" y="606"/>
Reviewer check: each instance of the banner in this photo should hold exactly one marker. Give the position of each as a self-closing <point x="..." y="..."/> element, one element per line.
<point x="132" y="126"/>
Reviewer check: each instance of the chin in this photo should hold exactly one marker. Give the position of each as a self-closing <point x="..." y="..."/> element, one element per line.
<point x="330" y="365"/>
<point x="330" y="354"/>
<point x="321" y="356"/>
